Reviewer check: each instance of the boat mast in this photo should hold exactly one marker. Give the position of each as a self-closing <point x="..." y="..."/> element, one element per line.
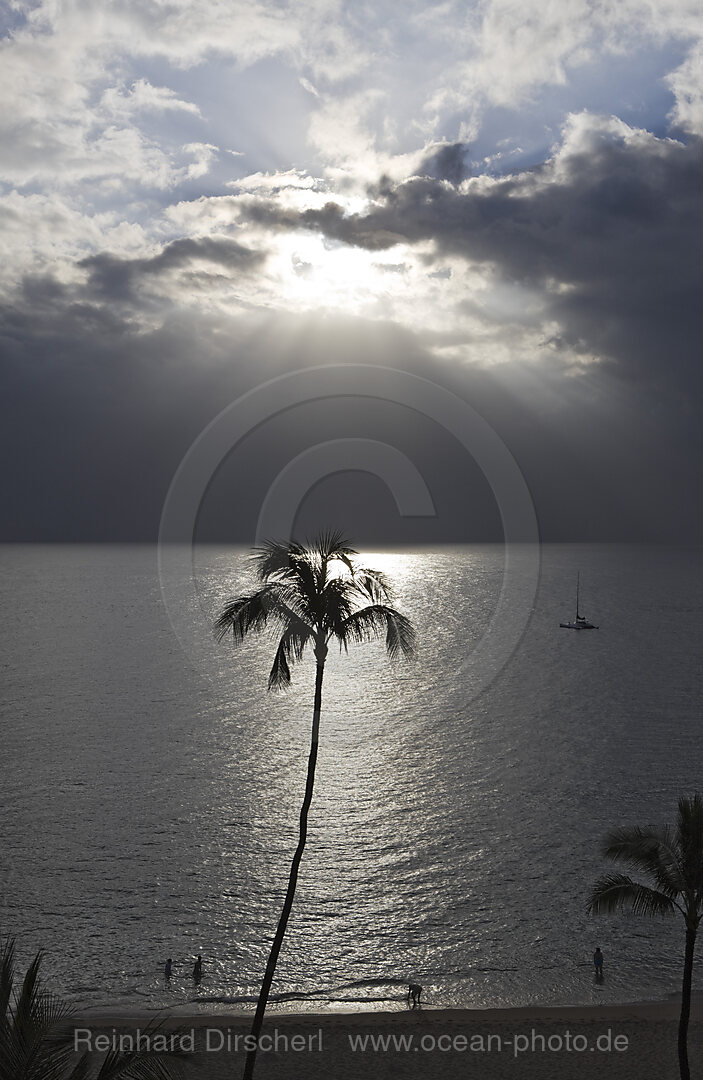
<point x="577" y="595"/>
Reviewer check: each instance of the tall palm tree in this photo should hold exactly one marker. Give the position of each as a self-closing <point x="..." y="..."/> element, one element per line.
<point x="310" y="595"/>
<point x="673" y="859"/>
<point x="37" y="1043"/>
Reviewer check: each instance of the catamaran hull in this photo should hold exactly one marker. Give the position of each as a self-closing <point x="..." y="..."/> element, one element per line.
<point x="577" y="626"/>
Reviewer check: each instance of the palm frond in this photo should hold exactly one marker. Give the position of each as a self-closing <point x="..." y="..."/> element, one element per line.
<point x="31" y="1042"/>
<point x="139" y="1065"/>
<point x="335" y="604"/>
<point x="81" y="1070"/>
<point x="46" y="1043"/>
<point x="144" y="1062"/>
<point x="50" y="1011"/>
<point x="293" y="566"/>
<point x="274" y="557"/>
<point x="333" y="544"/>
<point x="617" y="892"/>
<point x="37" y="1044"/>
<point x="652" y="850"/>
<point x="27" y="1004"/>
<point x="305" y="580"/>
<point x="246" y="614"/>
<point x="371" y="622"/>
<point x="50" y="1055"/>
<point x="400" y="635"/>
<point x="7" y="976"/>
<point x="279" y="676"/>
<point x="373" y="586"/>
<point x="290" y="647"/>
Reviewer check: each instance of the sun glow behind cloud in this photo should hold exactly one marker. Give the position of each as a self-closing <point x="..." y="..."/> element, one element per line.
<point x="459" y="310"/>
<point x="317" y="275"/>
<point x="411" y="284"/>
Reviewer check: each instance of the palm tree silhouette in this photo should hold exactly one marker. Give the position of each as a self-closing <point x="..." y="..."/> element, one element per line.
<point x="673" y="859"/>
<point x="311" y="594"/>
<point x="36" y="1039"/>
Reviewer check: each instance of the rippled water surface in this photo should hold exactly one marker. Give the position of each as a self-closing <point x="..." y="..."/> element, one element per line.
<point x="150" y="805"/>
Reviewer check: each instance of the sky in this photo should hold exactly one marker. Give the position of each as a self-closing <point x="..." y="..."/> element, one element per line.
<point x="200" y="197"/>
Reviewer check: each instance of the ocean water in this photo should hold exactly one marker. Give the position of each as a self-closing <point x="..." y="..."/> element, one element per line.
<point x="150" y="798"/>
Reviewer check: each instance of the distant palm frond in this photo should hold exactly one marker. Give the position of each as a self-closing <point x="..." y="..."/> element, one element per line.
<point x="652" y="850"/>
<point x="618" y="892"/>
<point x="37" y="1041"/>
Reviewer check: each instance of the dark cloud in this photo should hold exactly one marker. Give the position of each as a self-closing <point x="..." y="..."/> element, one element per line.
<point x="447" y="163"/>
<point x="330" y="220"/>
<point x="116" y="278"/>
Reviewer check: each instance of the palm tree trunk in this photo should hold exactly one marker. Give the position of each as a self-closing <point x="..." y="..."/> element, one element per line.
<point x="321" y="653"/>
<point x="686" y="1002"/>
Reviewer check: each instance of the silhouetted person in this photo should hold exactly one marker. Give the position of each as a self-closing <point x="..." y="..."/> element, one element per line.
<point x="198" y="969"/>
<point x="167" y="970"/>
<point x="414" y="991"/>
<point x="598" y="963"/>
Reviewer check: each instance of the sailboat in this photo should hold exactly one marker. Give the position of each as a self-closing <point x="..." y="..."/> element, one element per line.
<point x="580" y="622"/>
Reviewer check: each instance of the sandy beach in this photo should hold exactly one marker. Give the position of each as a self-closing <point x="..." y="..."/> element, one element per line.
<point x="624" y="1041"/>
